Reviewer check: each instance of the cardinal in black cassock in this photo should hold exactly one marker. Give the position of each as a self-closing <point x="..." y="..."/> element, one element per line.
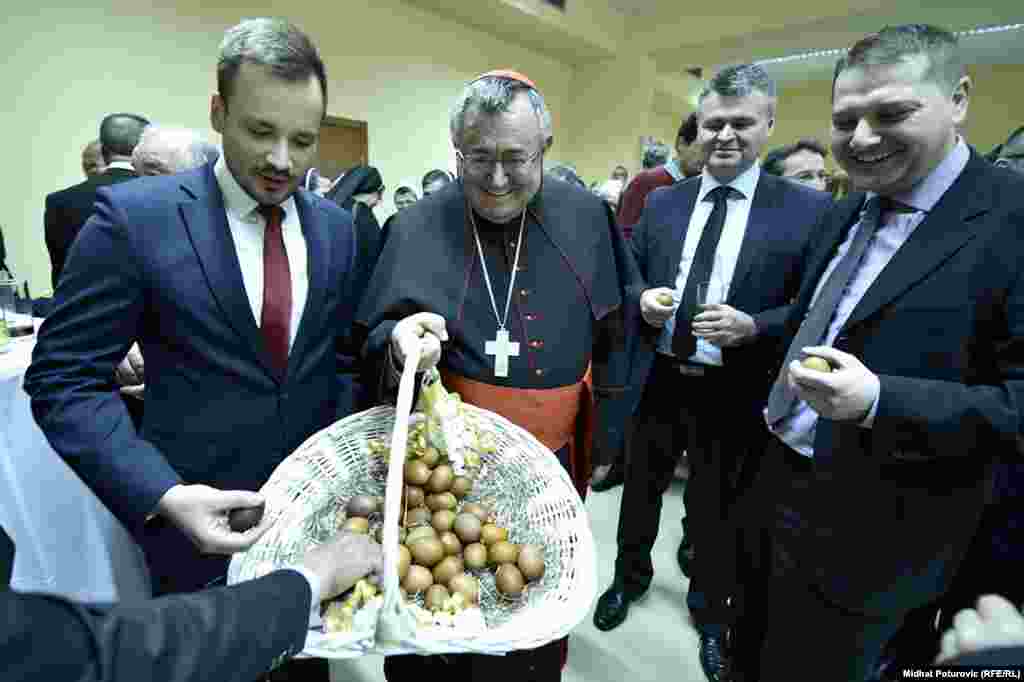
<point x="536" y="357"/>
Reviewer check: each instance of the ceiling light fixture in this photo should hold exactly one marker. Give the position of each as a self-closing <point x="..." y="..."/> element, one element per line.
<point x="815" y="54"/>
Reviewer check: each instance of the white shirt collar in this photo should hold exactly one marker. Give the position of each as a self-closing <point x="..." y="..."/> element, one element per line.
<point x="745" y="182"/>
<point x="237" y="201"/>
<point x="123" y="165"/>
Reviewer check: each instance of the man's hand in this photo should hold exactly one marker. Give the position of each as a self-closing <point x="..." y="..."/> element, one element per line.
<point x="657" y="312"/>
<point x="201" y="512"/>
<point x="844" y="394"/>
<point x="427" y="329"/>
<point x="342" y="561"/>
<point x="724" y="326"/>
<point x="993" y="624"/>
<point x="131" y="370"/>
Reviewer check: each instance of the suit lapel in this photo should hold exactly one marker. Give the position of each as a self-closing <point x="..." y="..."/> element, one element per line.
<point x="6" y="559"/>
<point x="316" y="231"/>
<point x="842" y="218"/>
<point x="946" y="229"/>
<point x="672" y="252"/>
<point x="207" y="224"/>
<point x="757" y="232"/>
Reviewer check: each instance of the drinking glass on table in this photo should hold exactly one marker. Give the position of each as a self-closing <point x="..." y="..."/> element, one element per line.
<point x="14" y="321"/>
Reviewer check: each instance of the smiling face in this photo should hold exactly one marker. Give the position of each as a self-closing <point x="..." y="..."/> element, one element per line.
<point x="270" y="128"/>
<point x="515" y="135"/>
<point x="891" y="125"/>
<point x="806" y="167"/>
<point x="732" y="132"/>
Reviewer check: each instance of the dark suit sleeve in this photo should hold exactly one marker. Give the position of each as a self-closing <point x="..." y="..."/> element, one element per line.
<point x="616" y="331"/>
<point x="943" y="415"/>
<point x="231" y="634"/>
<point x="95" y="319"/>
<point x="771" y="324"/>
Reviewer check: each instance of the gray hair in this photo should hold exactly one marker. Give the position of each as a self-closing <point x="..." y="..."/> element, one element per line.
<point x="494" y="95"/>
<point x="740" y="80"/>
<point x="171" y="149"/>
<point x="895" y="44"/>
<point x="274" y="43"/>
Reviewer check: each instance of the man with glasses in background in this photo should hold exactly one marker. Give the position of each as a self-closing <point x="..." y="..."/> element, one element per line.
<point x="1011" y="152"/>
<point x="802" y="161"/>
<point x="522" y="280"/>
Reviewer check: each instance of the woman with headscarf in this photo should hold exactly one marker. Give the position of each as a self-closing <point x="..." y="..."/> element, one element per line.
<point x="358" y="191"/>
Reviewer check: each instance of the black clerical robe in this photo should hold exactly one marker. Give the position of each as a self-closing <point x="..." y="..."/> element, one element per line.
<point x="569" y="306"/>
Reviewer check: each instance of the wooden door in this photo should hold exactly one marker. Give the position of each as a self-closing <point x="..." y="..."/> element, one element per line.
<point x="343" y="144"/>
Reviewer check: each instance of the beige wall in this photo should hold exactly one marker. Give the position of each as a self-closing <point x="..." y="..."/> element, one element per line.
<point x="397" y="67"/>
<point x="389" y="64"/>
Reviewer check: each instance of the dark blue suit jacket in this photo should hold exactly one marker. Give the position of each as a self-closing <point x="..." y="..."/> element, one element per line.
<point x="767" y="276"/>
<point x="227" y="634"/>
<point x="156" y="264"/>
<point x="943" y="328"/>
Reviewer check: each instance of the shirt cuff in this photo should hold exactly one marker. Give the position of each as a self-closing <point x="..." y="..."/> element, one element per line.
<point x="315" y="589"/>
<point x="869" y="421"/>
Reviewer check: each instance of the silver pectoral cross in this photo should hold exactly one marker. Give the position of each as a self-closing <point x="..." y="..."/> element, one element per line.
<point x="501" y="348"/>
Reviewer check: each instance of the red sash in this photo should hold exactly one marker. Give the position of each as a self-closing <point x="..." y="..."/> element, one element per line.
<point x="555" y="416"/>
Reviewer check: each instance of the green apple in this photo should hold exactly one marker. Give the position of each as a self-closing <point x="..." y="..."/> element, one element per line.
<point x="816" y="363"/>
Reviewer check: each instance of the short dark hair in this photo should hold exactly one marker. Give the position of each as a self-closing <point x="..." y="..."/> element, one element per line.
<point x="688" y="130"/>
<point x="774" y="160"/>
<point x="655" y="155"/>
<point x="119" y="133"/>
<point x="433" y="176"/>
<point x="567" y="173"/>
<point x="1015" y="138"/>
<point x="895" y="44"/>
<point x="274" y="43"/>
<point x="405" y="190"/>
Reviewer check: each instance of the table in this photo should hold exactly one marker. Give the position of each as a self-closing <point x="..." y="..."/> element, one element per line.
<point x="67" y="542"/>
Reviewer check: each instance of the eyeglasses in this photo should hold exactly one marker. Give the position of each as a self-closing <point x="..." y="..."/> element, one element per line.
<point x="481" y="164"/>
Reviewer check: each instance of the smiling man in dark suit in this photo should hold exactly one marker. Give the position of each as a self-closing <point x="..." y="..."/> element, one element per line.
<point x="68" y="209"/>
<point x="238" y="288"/>
<point x="914" y="296"/>
<point x="706" y="370"/>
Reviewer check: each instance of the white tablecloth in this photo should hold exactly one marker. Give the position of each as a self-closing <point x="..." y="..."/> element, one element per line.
<point x="66" y="541"/>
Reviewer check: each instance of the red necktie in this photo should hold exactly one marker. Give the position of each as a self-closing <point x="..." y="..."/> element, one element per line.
<point x="276" y="318"/>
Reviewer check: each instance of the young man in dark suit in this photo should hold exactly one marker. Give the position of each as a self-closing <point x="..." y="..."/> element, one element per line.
<point x="913" y="296"/>
<point x="227" y="634"/>
<point x="68" y="209"/>
<point x="238" y="288"/>
<point x="706" y="368"/>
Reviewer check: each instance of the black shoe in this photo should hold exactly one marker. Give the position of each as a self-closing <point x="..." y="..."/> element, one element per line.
<point x="612" y="608"/>
<point x="613" y="478"/>
<point x="714" y="658"/>
<point x="685" y="556"/>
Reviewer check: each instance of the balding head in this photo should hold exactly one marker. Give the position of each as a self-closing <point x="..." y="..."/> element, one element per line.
<point x="163" y="150"/>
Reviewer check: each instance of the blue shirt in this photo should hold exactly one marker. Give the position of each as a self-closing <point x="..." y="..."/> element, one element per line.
<point x="797" y="429"/>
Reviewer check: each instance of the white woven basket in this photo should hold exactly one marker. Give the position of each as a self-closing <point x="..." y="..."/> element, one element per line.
<point x="522" y="482"/>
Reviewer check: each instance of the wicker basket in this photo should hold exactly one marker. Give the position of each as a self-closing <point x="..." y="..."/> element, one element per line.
<point x="522" y="482"/>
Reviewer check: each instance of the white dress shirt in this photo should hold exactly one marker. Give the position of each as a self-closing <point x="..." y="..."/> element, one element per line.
<point x="247" y="227"/>
<point x="726" y="255"/>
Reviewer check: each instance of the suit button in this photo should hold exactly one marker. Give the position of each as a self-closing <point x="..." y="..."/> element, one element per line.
<point x="524" y="292"/>
<point x="530" y="317"/>
<point x="539" y="372"/>
<point x="536" y="344"/>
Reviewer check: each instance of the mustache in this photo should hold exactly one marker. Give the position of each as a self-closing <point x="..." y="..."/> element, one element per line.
<point x="275" y="174"/>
